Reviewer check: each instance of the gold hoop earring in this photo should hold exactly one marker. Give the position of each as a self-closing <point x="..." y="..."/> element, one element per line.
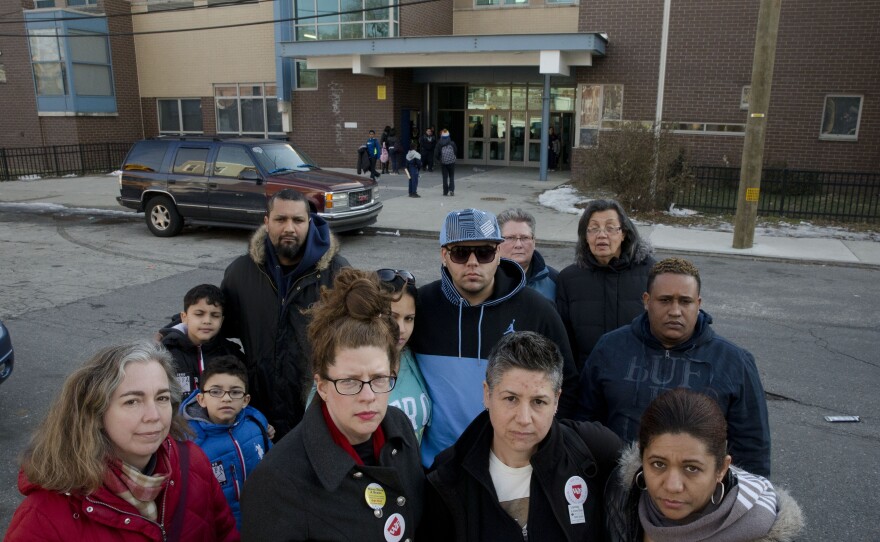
<point x="721" y="498"/>
<point x="643" y="486"/>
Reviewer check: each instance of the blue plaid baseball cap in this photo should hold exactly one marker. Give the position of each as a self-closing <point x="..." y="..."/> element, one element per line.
<point x="470" y="225"/>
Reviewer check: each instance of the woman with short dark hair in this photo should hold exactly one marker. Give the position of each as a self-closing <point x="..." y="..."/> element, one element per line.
<point x="677" y="483"/>
<point x="102" y="465"/>
<point x="516" y="473"/>
<point x="603" y="289"/>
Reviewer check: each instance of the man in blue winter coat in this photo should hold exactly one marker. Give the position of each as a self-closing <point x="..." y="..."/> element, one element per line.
<point x="479" y="298"/>
<point x="672" y="345"/>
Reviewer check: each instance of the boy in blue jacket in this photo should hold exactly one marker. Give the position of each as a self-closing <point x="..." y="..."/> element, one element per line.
<point x="232" y="434"/>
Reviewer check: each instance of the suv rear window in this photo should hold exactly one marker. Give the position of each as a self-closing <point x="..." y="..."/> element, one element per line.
<point x="192" y="161"/>
<point x="146" y="156"/>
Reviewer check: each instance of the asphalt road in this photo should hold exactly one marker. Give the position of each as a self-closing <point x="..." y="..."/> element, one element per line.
<point x="72" y="284"/>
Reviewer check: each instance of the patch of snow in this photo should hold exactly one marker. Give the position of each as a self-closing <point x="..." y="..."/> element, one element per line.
<point x="394" y="233"/>
<point x="563" y="199"/>
<point x="117" y="172"/>
<point x="680" y="212"/>
<point x="29" y="177"/>
<point x="479" y="170"/>
<point x="61" y="209"/>
<point x="70" y="175"/>
<point x="803" y="229"/>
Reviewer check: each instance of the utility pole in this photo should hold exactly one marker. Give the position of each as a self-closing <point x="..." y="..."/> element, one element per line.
<point x="756" y="125"/>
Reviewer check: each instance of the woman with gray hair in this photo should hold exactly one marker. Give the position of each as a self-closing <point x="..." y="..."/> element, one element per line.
<point x="516" y="473"/>
<point x="111" y="461"/>
<point x="603" y="289"/>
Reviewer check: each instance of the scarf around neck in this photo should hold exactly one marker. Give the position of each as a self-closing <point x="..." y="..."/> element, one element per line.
<point x="136" y="488"/>
<point x="378" y="438"/>
<point x="748" y="512"/>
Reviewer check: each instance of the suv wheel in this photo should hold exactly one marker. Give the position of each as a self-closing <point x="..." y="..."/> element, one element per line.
<point x="162" y="217"/>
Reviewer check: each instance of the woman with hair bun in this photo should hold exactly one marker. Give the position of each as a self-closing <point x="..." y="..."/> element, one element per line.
<point x="351" y="469"/>
<point x="677" y="482"/>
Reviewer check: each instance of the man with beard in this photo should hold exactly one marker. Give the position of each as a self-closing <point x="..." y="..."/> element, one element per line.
<point x="289" y="259"/>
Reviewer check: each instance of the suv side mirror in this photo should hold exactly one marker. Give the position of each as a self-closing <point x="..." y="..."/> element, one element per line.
<point x="250" y="175"/>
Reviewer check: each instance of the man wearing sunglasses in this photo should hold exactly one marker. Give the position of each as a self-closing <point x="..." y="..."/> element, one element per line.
<point x="289" y="259"/>
<point x="479" y="298"/>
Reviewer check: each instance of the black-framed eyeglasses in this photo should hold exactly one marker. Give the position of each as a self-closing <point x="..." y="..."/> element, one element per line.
<point x="218" y="393"/>
<point x="607" y="230"/>
<point x="484" y="253"/>
<point x="389" y="275"/>
<point x="353" y="386"/>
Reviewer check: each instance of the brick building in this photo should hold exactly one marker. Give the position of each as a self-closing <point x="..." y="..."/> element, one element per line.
<point x="323" y="72"/>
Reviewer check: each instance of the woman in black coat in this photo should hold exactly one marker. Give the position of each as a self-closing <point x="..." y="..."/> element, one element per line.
<point x="516" y="473"/>
<point x="603" y="289"/>
<point x="351" y="469"/>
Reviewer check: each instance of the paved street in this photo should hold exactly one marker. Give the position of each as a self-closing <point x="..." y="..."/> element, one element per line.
<point x="71" y="284"/>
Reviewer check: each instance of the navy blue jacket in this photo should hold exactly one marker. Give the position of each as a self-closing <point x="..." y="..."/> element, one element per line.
<point x="542" y="278"/>
<point x="234" y="450"/>
<point x="629" y="367"/>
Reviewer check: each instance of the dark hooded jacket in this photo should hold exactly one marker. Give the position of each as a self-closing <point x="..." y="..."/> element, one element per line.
<point x="452" y="340"/>
<point x="461" y="503"/>
<point x="629" y="367"/>
<point x="622" y="504"/>
<point x="272" y="326"/>
<point x="593" y="299"/>
<point x="190" y="359"/>
<point x="542" y="278"/>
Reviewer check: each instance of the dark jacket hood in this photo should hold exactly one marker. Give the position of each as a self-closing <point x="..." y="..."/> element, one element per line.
<point x="703" y="333"/>
<point x="321" y="246"/>
<point x="509" y="279"/>
<point x="640" y="252"/>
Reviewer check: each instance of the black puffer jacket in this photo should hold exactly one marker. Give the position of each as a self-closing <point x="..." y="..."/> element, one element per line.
<point x="593" y="299"/>
<point x="274" y="333"/>
<point x="461" y="503"/>
<point x="189" y="359"/>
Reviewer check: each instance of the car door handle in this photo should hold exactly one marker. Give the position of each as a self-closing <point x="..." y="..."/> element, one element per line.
<point x="212" y="185"/>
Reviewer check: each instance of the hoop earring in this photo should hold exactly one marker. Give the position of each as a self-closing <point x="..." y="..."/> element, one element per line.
<point x="643" y="485"/>
<point x="721" y="498"/>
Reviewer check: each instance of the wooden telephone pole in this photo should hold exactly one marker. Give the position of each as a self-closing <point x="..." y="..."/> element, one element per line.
<point x="756" y="125"/>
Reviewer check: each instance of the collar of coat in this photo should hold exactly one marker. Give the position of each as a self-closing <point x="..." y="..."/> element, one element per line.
<point x="509" y="279"/>
<point x="257" y="249"/>
<point x="331" y="463"/>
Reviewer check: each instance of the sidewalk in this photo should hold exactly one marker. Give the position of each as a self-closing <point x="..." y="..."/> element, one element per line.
<point x="490" y="189"/>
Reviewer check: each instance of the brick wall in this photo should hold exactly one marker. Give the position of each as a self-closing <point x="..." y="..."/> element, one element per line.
<point x="822" y="48"/>
<point x="428" y="19"/>
<point x="18" y="105"/>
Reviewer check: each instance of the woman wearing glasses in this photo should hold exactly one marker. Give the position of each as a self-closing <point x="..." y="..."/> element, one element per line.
<point x="603" y="289"/>
<point x="410" y="393"/>
<point x="350" y="470"/>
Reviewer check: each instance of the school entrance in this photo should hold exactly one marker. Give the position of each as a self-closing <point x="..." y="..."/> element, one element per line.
<point x="500" y="125"/>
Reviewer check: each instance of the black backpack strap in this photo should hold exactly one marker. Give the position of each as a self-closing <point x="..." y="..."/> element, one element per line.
<point x="578" y="450"/>
<point x="176" y="527"/>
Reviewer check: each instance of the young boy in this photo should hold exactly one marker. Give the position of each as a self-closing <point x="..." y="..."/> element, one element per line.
<point x="195" y="341"/>
<point x="232" y="434"/>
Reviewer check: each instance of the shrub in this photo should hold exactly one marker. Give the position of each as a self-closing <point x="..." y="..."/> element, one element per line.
<point x="624" y="161"/>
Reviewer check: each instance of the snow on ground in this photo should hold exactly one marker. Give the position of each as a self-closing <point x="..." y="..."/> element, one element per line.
<point x="29" y="177"/>
<point x="564" y="199"/>
<point x="61" y="209"/>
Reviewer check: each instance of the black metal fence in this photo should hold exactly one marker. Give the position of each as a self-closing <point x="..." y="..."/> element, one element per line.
<point x="853" y="197"/>
<point x="60" y="160"/>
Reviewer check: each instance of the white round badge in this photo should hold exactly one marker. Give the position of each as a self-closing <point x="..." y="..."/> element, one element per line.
<point x="576" y="490"/>
<point x="394" y="528"/>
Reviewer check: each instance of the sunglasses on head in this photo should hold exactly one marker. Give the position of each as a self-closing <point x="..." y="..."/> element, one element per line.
<point x="389" y="275"/>
<point x="484" y="253"/>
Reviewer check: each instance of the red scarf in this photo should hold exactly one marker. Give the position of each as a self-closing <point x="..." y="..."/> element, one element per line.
<point x="378" y="438"/>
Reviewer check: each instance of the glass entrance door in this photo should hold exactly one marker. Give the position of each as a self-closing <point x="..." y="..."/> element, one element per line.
<point x="497" y="138"/>
<point x="534" y="140"/>
<point x="517" y="138"/>
<point x="476" y="144"/>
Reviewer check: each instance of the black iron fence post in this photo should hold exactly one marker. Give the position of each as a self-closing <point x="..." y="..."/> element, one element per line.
<point x="82" y="160"/>
<point x="782" y="192"/>
<point x="5" y="163"/>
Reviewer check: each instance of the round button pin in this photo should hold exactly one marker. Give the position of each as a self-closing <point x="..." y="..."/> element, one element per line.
<point x="375" y="496"/>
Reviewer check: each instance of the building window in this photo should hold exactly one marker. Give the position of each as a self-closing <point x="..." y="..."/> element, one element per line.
<point x="40" y="4"/>
<point x="164" y="5"/>
<point x="713" y="128"/>
<point x="180" y="116"/>
<point x="601" y="107"/>
<point x="554" y="2"/>
<point x="483" y="3"/>
<point x="346" y="19"/>
<point x="47" y="56"/>
<point x="78" y="3"/>
<point x="90" y="57"/>
<point x="841" y="118"/>
<point x="247" y="109"/>
<point x="2" y="73"/>
<point x="306" y="79"/>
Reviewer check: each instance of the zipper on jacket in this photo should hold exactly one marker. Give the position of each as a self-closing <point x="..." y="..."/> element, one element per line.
<point x="240" y="455"/>
<point x="123" y="512"/>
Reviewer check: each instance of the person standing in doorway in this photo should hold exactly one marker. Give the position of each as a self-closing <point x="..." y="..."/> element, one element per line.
<point x="446" y="152"/>
<point x="555" y="145"/>
<point x="426" y="146"/>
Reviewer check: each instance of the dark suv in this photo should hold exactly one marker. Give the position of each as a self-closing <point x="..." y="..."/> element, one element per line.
<point x="227" y="182"/>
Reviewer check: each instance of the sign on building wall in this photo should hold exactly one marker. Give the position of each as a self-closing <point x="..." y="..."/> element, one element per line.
<point x="380" y="92"/>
